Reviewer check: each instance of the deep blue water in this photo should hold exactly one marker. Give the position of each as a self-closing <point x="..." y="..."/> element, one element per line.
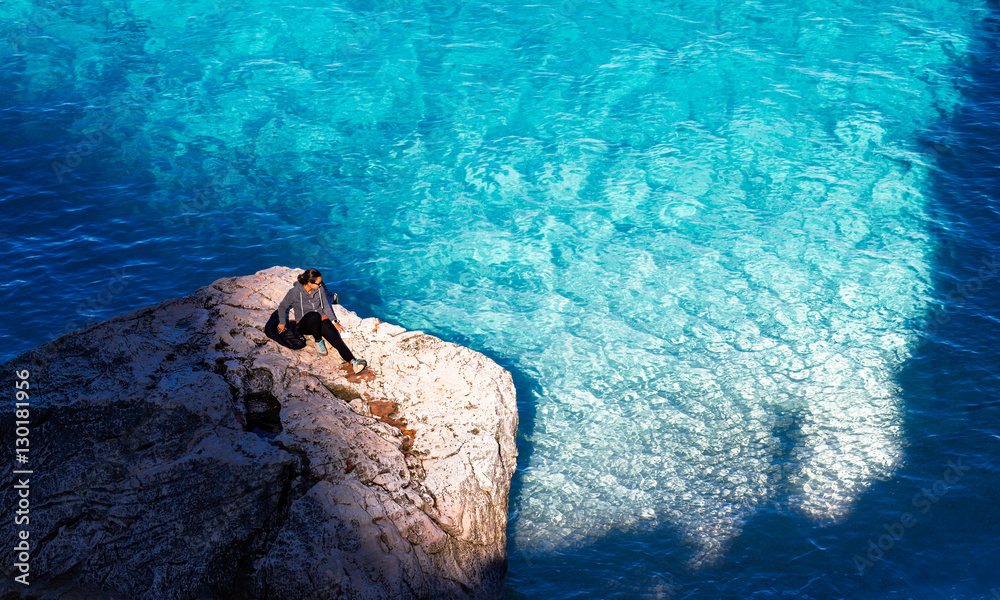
<point x="741" y="257"/>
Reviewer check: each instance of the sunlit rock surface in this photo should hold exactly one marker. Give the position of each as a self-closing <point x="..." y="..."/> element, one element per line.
<point x="179" y="453"/>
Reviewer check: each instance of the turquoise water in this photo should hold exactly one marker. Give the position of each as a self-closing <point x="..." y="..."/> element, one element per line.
<point x="706" y="238"/>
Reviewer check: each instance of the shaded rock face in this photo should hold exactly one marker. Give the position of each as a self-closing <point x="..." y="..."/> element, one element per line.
<point x="178" y="453"/>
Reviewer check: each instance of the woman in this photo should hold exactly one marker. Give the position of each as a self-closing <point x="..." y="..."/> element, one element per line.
<point x="316" y="317"/>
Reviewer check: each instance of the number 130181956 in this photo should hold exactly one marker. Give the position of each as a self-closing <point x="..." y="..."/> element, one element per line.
<point x="22" y="414"/>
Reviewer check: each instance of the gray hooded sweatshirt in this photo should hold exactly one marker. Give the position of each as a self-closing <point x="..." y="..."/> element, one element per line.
<point x="303" y="303"/>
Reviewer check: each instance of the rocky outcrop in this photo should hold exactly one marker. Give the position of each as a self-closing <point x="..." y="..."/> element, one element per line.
<point x="178" y="453"/>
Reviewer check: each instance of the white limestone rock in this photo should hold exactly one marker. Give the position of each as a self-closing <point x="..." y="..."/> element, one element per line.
<point x="156" y="477"/>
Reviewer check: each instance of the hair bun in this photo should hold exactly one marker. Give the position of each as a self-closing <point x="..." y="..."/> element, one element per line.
<point x="309" y="275"/>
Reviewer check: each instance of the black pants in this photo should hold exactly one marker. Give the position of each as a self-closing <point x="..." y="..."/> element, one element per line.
<point x="315" y="325"/>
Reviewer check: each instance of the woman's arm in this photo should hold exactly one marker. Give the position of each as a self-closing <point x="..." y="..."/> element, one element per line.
<point x="283" y="306"/>
<point x="325" y="305"/>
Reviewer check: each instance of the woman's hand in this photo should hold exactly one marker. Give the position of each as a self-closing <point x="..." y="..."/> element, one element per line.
<point x="280" y="327"/>
<point x="339" y="327"/>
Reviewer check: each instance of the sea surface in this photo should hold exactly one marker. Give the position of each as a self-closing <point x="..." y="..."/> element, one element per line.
<point x="741" y="257"/>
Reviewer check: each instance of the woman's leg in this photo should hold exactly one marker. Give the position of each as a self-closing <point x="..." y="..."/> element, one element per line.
<point x="333" y="336"/>
<point x="311" y="324"/>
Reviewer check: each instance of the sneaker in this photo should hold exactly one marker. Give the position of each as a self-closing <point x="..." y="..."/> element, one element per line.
<point x="359" y="365"/>
<point x="321" y="347"/>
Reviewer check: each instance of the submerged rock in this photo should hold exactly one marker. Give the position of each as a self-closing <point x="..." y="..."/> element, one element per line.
<point x="179" y="453"/>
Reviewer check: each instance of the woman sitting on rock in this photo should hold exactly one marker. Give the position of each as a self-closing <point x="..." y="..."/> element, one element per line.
<point x="316" y="317"/>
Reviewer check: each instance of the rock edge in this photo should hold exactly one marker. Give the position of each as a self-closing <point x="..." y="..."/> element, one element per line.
<point x="179" y="453"/>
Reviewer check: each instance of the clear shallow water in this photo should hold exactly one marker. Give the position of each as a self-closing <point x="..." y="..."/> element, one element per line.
<point x="710" y="241"/>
